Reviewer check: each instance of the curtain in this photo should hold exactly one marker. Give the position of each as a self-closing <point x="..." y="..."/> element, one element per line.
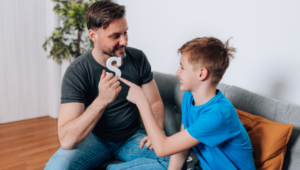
<point x="29" y="82"/>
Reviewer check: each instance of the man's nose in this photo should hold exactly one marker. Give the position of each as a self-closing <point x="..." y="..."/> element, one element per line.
<point x="123" y="40"/>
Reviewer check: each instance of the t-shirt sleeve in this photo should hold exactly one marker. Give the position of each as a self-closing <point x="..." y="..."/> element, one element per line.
<point x="74" y="86"/>
<point x="146" y="74"/>
<point x="210" y="128"/>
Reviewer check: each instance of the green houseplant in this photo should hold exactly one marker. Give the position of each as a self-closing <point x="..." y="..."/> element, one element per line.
<point x="68" y="40"/>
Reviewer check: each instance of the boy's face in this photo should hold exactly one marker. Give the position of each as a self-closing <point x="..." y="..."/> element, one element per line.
<point x="187" y="75"/>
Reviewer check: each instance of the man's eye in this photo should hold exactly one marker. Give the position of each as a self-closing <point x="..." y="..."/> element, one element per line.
<point x="115" y="36"/>
<point x="125" y="33"/>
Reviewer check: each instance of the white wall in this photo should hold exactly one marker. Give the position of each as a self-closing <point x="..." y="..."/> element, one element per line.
<point x="29" y="82"/>
<point x="265" y="33"/>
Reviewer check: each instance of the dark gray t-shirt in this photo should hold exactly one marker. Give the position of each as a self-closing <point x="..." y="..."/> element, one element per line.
<point x="120" y="119"/>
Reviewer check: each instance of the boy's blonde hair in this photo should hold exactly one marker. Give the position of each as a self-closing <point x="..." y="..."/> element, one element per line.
<point x="210" y="53"/>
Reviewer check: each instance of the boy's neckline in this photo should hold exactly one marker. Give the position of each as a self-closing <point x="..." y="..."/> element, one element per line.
<point x="206" y="103"/>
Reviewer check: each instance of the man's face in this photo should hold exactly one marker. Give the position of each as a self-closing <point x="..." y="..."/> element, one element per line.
<point x="112" y="40"/>
<point x="187" y="75"/>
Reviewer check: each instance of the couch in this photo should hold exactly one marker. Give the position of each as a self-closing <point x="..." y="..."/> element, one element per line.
<point x="272" y="109"/>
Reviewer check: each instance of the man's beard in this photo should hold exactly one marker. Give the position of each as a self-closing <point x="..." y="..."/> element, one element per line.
<point x="113" y="53"/>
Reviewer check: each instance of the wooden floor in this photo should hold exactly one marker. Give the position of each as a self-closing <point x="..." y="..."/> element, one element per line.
<point x="28" y="144"/>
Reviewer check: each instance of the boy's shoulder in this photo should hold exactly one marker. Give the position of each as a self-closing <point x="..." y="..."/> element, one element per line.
<point x="217" y="102"/>
<point x="219" y="106"/>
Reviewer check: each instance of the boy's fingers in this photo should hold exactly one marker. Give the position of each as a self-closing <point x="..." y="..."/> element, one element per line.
<point x="126" y="82"/>
<point x="148" y="144"/>
<point x="142" y="142"/>
<point x="141" y="145"/>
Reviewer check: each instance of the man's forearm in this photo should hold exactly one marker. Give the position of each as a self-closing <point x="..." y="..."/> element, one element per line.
<point x="76" y="130"/>
<point x="158" y="112"/>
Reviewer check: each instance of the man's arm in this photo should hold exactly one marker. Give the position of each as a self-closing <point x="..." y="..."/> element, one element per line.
<point x="75" y="124"/>
<point x="152" y="93"/>
<point x="177" y="160"/>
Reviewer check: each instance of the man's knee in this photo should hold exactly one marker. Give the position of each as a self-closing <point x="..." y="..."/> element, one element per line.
<point x="141" y="163"/>
<point x="62" y="159"/>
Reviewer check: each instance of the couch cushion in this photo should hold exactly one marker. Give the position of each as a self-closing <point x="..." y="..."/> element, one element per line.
<point x="269" y="140"/>
<point x="274" y="110"/>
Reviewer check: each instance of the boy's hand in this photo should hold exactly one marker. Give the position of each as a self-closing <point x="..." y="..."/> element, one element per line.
<point x="135" y="93"/>
<point x="148" y="144"/>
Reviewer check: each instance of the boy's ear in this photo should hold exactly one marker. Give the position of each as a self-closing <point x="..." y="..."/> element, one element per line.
<point x="203" y="74"/>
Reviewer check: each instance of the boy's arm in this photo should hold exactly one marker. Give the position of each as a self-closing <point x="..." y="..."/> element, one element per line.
<point x="177" y="160"/>
<point x="163" y="145"/>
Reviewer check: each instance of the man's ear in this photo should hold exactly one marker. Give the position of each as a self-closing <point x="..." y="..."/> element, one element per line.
<point x="203" y="73"/>
<point x="92" y="34"/>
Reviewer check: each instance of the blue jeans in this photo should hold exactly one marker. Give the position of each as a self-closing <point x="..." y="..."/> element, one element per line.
<point x="93" y="152"/>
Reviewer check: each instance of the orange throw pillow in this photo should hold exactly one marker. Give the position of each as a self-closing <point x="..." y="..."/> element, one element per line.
<point x="269" y="140"/>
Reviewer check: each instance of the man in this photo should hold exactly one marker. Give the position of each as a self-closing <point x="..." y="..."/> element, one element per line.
<point x="96" y="122"/>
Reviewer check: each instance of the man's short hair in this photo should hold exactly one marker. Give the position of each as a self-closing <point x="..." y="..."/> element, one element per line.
<point x="101" y="13"/>
<point x="211" y="53"/>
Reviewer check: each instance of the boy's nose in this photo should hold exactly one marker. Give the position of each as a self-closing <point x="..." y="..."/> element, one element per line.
<point x="177" y="73"/>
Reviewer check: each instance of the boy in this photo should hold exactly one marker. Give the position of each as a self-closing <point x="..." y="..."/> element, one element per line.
<point x="210" y="124"/>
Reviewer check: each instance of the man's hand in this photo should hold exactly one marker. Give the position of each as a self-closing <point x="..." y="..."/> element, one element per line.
<point x="147" y="141"/>
<point x="109" y="87"/>
<point x="135" y="93"/>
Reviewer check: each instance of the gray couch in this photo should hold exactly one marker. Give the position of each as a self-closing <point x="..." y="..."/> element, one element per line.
<point x="272" y="109"/>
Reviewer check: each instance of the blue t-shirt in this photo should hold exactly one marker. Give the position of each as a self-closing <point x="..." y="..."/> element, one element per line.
<point x="224" y="142"/>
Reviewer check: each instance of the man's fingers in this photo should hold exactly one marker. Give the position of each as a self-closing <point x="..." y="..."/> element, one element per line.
<point x="118" y="89"/>
<point x="151" y="147"/>
<point x="126" y="82"/>
<point x="109" y="76"/>
<point x="116" y="84"/>
<point x="112" y="81"/>
<point x="103" y="75"/>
